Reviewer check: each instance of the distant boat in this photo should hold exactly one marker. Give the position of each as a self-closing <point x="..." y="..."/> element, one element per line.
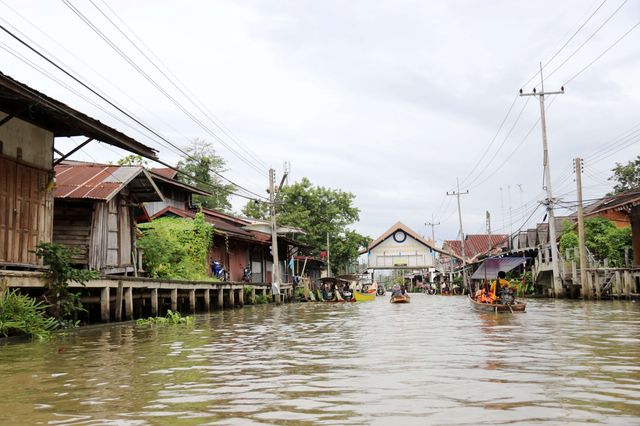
<point x="364" y="297"/>
<point x="400" y="298"/>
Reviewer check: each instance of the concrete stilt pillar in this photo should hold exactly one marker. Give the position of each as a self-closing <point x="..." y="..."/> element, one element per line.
<point x="207" y="300"/>
<point x="232" y="298"/>
<point x="253" y="296"/>
<point x="220" y="303"/>
<point x="174" y="299"/>
<point x="192" y="301"/>
<point x="128" y="302"/>
<point x="105" y="310"/>
<point x="241" y="297"/>
<point x="154" y="302"/>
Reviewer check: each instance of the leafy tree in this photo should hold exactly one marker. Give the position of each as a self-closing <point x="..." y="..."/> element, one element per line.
<point x="256" y="210"/>
<point x="176" y="248"/>
<point x="203" y="168"/>
<point x="602" y="238"/>
<point x="626" y="176"/>
<point x="133" y="160"/>
<point x="319" y="211"/>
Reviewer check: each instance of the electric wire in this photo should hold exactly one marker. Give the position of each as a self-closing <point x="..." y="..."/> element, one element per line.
<point x="137" y="121"/>
<point x="587" y="40"/>
<point x="190" y="96"/>
<point x="603" y="53"/>
<point x="147" y="77"/>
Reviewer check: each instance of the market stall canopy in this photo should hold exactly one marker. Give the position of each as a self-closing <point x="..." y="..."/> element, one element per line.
<point x="494" y="265"/>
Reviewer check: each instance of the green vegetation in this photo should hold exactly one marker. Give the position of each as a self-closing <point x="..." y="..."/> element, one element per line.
<point x="176" y="248"/>
<point x="318" y="211"/>
<point x="63" y="304"/>
<point x="21" y="314"/>
<point x="602" y="238"/>
<point x="262" y="299"/>
<point x="203" y="168"/>
<point x="172" y="318"/>
<point x="133" y="160"/>
<point x="626" y="176"/>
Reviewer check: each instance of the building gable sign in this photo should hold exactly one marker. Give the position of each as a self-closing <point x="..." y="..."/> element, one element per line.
<point x="400" y="250"/>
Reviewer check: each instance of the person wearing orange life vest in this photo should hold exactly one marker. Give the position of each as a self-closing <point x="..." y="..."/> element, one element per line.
<point x="499" y="284"/>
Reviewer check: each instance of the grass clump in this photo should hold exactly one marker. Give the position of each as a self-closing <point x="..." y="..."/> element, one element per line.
<point x="21" y="314"/>
<point x="172" y="318"/>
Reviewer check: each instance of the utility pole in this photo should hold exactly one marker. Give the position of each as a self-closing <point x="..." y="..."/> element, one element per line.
<point x="557" y="281"/>
<point x="275" y="285"/>
<point x="510" y="217"/>
<point x="328" y="257"/>
<point x="464" y="259"/>
<point x="586" y="288"/>
<point x="489" y="232"/>
<point x="432" y="224"/>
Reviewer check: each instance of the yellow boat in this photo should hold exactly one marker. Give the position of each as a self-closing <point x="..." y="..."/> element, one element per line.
<point x="364" y="297"/>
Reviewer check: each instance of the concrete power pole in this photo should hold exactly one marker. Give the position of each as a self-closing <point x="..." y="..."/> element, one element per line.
<point x="586" y="288"/>
<point x="275" y="285"/>
<point x="555" y="264"/>
<point x="489" y="233"/>
<point x="328" y="256"/>
<point x="464" y="259"/>
<point x="432" y="224"/>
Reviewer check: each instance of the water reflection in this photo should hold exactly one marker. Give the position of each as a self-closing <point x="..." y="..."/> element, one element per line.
<point x="434" y="361"/>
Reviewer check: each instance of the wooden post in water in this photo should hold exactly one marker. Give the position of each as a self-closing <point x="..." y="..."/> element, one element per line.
<point x="627" y="285"/>
<point x="220" y="303"/>
<point x="174" y="299"/>
<point x="104" y="304"/>
<point x="207" y="300"/>
<point x="618" y="285"/>
<point x="232" y="298"/>
<point x="128" y="301"/>
<point x="192" y="301"/>
<point x="154" y="302"/>
<point x="598" y="284"/>
<point x="119" y="302"/>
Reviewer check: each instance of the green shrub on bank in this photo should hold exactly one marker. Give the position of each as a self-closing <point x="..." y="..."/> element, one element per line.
<point x="172" y="318"/>
<point x="262" y="299"/>
<point x="176" y="248"/>
<point x="21" y="314"/>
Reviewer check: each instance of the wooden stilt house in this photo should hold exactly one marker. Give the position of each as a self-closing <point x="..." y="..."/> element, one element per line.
<point x="30" y="122"/>
<point x="94" y="213"/>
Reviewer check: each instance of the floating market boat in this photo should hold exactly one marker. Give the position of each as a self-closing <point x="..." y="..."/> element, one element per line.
<point x="400" y="298"/>
<point x="516" y="306"/>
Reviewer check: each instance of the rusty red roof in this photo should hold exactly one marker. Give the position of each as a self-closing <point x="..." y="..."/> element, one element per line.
<point x="77" y="180"/>
<point x="164" y="172"/>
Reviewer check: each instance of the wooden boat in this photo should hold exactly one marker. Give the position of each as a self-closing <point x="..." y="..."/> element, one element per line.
<point x="517" y="306"/>
<point x="400" y="298"/>
<point x="364" y="297"/>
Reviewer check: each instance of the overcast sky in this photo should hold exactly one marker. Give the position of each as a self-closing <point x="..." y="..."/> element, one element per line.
<point x="391" y="100"/>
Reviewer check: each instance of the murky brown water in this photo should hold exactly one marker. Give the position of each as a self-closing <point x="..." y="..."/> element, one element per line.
<point x="434" y="361"/>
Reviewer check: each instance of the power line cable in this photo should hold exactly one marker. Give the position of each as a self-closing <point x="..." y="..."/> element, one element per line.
<point x="565" y="44"/>
<point x="587" y="40"/>
<point x="111" y="103"/>
<point x="147" y="77"/>
<point x="603" y="53"/>
<point x="190" y="97"/>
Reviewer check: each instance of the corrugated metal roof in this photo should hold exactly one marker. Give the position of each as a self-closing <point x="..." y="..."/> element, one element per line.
<point x="103" y="182"/>
<point x="164" y="172"/>
<point x="43" y="111"/>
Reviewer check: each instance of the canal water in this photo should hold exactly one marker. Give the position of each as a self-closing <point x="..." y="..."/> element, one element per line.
<point x="434" y="361"/>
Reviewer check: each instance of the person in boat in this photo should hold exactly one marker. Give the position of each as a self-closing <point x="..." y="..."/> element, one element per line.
<point x="500" y="286"/>
<point x="396" y="291"/>
<point x="403" y="290"/>
<point x="327" y="293"/>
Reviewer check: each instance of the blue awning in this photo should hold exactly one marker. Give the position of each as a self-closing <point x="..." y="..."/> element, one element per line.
<point x="495" y="265"/>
